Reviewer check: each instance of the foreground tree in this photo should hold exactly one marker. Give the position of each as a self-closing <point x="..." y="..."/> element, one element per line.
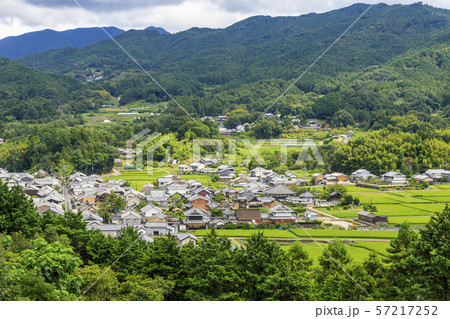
<point x="111" y="204"/>
<point x="429" y="262"/>
<point x="17" y="212"/>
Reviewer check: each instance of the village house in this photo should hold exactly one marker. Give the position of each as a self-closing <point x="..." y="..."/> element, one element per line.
<point x="159" y="229"/>
<point x="128" y="218"/>
<point x="197" y="167"/>
<point x="418" y="178"/>
<point x="260" y="172"/>
<point x="163" y="182"/>
<point x="335" y="196"/>
<point x="310" y="215"/>
<point x="438" y="175"/>
<point x="319" y="179"/>
<point x="196" y="218"/>
<point x="158" y="196"/>
<point x="209" y="161"/>
<point x="246" y="216"/>
<point x="31" y="190"/>
<point x="177" y="188"/>
<point x="371" y="218"/>
<point x="183" y="169"/>
<point x="268" y="201"/>
<point x="306" y="199"/>
<point x="106" y="229"/>
<point x="279" y="192"/>
<point x="225" y="176"/>
<point x="221" y="118"/>
<point x="185" y="238"/>
<point x="206" y="170"/>
<point x="198" y="201"/>
<point x="361" y="174"/>
<point x="152" y="213"/>
<point x="394" y="178"/>
<point x="282" y="214"/>
<point x="146" y="188"/>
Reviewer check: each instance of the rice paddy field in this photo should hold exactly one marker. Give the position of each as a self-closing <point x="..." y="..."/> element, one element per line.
<point x="413" y="206"/>
<point x="315" y="250"/>
<point x="301" y="233"/>
<point x="138" y="178"/>
<point x="358" y="250"/>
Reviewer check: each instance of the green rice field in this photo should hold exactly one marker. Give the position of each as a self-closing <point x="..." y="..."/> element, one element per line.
<point x="301" y="233"/>
<point x="413" y="206"/>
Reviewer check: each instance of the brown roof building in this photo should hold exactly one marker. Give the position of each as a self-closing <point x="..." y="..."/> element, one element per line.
<point x="248" y="216"/>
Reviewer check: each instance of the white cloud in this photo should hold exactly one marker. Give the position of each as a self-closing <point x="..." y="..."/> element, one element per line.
<point x="20" y="16"/>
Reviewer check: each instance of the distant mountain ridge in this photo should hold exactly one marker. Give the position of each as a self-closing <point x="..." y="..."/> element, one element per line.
<point x="262" y="46"/>
<point x="159" y="29"/>
<point x="45" y="40"/>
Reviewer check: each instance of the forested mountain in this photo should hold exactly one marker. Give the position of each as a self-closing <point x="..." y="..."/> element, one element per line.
<point x="263" y="47"/>
<point x="395" y="60"/>
<point x="159" y="29"/>
<point x="27" y="94"/>
<point x="41" y="41"/>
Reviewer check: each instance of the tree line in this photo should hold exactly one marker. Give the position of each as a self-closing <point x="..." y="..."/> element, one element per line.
<point x="57" y="258"/>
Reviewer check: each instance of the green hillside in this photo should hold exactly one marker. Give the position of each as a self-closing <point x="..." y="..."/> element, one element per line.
<point x="27" y="94"/>
<point x="264" y="46"/>
<point x="400" y="51"/>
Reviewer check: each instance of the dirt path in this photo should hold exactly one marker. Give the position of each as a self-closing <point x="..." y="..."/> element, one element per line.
<point x="113" y="173"/>
<point x="322" y="213"/>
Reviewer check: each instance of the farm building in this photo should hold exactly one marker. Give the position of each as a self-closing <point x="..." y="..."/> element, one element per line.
<point x="372" y="218"/>
<point x="309" y="215"/>
<point x="248" y="216"/>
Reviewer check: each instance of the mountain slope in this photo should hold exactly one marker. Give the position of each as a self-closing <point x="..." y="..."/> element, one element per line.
<point x="41" y="41"/>
<point x="263" y="47"/>
<point x="27" y="94"/>
<point x="159" y="29"/>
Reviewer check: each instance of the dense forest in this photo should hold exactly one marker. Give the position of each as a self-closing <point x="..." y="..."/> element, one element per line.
<point x="48" y="146"/>
<point x="56" y="258"/>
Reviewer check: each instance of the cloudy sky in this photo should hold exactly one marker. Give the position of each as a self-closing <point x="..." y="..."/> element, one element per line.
<point x="21" y="16"/>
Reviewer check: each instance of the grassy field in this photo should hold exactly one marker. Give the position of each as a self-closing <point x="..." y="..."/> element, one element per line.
<point x="375" y="246"/>
<point x="330" y="233"/>
<point x="300" y="233"/>
<point x="315" y="250"/>
<point x="444" y="186"/>
<point x="271" y="233"/>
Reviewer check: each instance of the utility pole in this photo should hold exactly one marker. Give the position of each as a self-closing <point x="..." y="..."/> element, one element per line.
<point x="380" y="168"/>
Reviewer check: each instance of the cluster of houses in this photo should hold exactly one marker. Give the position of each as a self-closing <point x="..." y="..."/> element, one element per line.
<point x="259" y="197"/>
<point x="311" y="125"/>
<point x="81" y="193"/>
<point x="432" y="176"/>
<point x="262" y="196"/>
<point x="176" y="205"/>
